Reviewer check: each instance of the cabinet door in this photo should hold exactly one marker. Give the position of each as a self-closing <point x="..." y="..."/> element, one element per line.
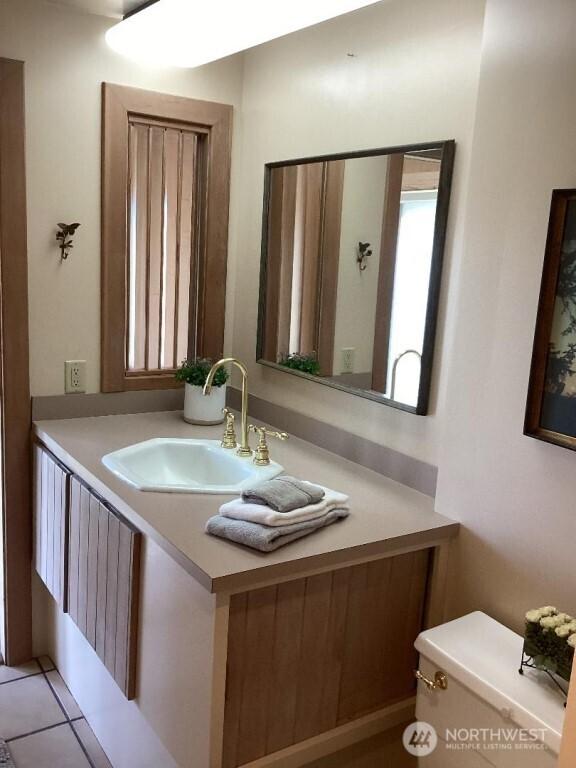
<point x="103" y="582"/>
<point x="51" y="484"/>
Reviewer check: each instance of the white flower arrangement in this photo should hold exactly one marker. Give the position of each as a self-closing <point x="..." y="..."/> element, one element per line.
<point x="550" y="639"/>
<point x="564" y="631"/>
<point x="535" y="615"/>
<point x="551" y="622"/>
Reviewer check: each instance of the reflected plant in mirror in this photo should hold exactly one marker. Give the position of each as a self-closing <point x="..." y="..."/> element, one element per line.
<point x="304" y="363"/>
<point x="352" y="249"/>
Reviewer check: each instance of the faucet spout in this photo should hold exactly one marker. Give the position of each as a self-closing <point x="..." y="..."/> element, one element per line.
<point x="244" y="447"/>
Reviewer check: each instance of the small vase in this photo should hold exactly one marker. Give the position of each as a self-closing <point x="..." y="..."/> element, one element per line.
<point x="204" y="409"/>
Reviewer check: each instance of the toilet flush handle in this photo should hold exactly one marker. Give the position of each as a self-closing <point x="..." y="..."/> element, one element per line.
<point x="440" y="682"/>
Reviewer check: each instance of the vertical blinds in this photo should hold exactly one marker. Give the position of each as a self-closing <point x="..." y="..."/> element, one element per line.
<point x="163" y="231"/>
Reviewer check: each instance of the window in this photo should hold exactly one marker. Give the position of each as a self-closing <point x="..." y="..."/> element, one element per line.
<point x="411" y="283"/>
<point x="166" y="167"/>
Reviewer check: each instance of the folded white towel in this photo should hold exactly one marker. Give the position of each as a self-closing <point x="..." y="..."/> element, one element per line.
<point x="259" y="513"/>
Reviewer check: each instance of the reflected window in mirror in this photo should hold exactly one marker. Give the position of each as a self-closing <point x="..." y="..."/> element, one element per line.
<point x="352" y="253"/>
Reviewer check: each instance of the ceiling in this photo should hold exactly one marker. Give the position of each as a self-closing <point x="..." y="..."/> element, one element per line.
<point x="115" y="8"/>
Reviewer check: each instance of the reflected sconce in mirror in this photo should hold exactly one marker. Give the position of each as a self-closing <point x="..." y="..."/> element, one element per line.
<point x="362" y="255"/>
<point x="64" y="238"/>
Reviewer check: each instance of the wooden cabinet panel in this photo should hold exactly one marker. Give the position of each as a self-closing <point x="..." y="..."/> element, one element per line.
<point x="312" y="654"/>
<point x="51" y="483"/>
<point x="104" y="567"/>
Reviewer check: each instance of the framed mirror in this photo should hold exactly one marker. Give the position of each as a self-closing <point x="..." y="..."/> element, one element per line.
<point x="352" y="248"/>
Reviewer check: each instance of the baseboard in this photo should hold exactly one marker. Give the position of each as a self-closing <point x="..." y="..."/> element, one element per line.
<point x="328" y="743"/>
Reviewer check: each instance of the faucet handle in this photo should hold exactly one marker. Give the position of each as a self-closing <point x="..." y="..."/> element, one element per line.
<point x="262" y="454"/>
<point x="229" y="437"/>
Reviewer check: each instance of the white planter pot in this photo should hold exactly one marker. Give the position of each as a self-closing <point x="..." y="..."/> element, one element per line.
<point x="204" y="409"/>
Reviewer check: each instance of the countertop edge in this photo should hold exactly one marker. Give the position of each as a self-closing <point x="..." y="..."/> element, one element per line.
<point x="419" y="540"/>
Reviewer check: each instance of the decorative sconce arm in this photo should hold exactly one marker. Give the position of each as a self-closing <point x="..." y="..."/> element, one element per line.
<point x="362" y="255"/>
<point x="64" y="238"/>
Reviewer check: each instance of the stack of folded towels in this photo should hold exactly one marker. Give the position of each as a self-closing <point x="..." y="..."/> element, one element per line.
<point x="277" y="512"/>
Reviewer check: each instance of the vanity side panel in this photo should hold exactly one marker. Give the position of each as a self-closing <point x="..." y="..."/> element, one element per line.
<point x="311" y="655"/>
<point x="168" y="722"/>
<point x="51" y="482"/>
<point x="74" y="548"/>
<point x="108" y="591"/>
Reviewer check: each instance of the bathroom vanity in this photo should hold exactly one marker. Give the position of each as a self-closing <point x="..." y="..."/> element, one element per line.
<point x="186" y="650"/>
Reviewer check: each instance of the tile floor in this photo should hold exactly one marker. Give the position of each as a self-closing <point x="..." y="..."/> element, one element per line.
<point x="41" y="722"/>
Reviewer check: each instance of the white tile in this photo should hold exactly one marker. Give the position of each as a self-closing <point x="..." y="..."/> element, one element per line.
<point x="91" y="744"/>
<point x="63" y="694"/>
<point x="27" y="705"/>
<point x="56" y="748"/>
<point x="14" y="673"/>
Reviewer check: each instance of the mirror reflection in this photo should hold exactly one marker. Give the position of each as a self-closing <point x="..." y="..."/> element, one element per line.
<point x="350" y="272"/>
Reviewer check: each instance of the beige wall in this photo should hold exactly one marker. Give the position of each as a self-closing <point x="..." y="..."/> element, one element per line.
<point x="66" y="60"/>
<point x="362" y="211"/>
<point x="302" y="95"/>
<point x="514" y="495"/>
<point x="412" y="78"/>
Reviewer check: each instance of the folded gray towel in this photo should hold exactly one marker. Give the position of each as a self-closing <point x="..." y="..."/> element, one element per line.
<point x="268" y="538"/>
<point x="284" y="494"/>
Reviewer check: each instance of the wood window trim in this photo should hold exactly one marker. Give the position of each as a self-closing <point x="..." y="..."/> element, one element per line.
<point x="331" y="231"/>
<point x="386" y="272"/>
<point x="321" y="228"/>
<point x="14" y="370"/>
<point x="118" y="104"/>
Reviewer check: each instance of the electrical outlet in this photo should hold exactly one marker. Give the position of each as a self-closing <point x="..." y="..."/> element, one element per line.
<point x="347" y="360"/>
<point x="75" y="376"/>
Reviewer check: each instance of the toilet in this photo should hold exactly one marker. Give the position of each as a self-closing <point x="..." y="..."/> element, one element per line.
<point x="488" y="714"/>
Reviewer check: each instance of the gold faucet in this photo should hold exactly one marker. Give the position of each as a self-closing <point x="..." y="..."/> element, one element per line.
<point x="262" y="455"/>
<point x="244" y="447"/>
<point x="229" y="437"/>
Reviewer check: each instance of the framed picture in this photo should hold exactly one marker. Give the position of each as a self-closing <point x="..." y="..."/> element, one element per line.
<point x="551" y="406"/>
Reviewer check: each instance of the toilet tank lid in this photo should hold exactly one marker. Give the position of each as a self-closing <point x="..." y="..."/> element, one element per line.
<point x="485" y="656"/>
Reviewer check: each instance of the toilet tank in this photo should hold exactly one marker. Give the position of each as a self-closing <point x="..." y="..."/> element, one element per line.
<point x="489" y="714"/>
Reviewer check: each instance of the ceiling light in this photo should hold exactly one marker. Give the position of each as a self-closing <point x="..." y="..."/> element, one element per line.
<point x="188" y="33"/>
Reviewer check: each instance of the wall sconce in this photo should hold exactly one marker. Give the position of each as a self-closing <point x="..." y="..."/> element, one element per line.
<point x="363" y="253"/>
<point x="64" y="238"/>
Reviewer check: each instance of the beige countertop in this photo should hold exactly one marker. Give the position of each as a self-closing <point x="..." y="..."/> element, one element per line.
<point x="386" y="516"/>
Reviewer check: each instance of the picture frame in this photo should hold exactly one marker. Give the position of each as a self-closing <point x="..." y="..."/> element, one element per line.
<point x="551" y="402"/>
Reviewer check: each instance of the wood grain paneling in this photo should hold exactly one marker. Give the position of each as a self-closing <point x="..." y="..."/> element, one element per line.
<point x="16" y="471"/>
<point x="280" y="264"/>
<point x="303" y="253"/>
<point x="310" y="655"/>
<point x="104" y="567"/>
<point x="51" y="481"/>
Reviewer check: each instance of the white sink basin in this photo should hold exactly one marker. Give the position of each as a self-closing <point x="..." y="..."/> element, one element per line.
<point x="186" y="466"/>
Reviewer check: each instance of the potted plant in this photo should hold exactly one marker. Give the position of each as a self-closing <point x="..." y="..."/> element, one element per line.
<point x="198" y="407"/>
<point x="549" y="642"/>
<point x="300" y="362"/>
